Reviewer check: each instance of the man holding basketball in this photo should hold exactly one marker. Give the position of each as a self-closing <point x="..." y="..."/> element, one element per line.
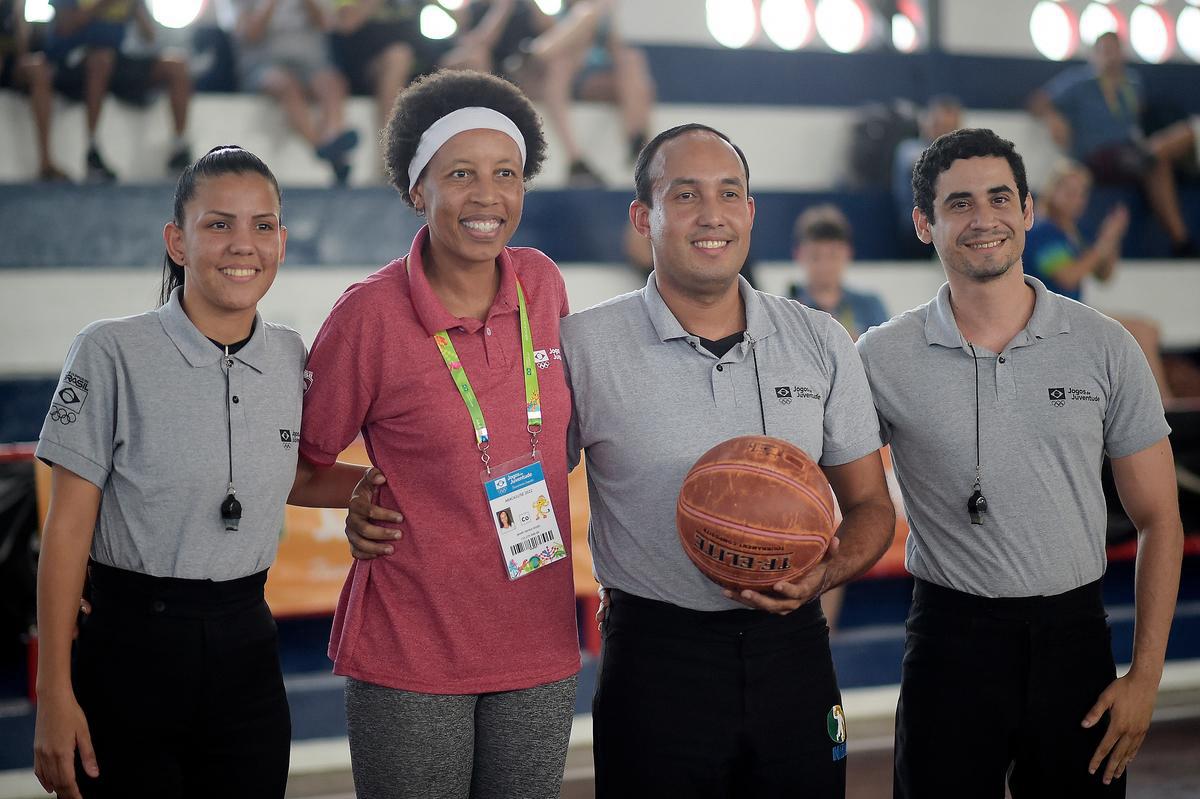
<point x="696" y="694"/>
<point x="702" y="693"/>
<point x="1000" y="400"/>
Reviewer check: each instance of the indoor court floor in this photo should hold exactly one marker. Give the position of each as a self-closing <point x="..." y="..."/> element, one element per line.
<point x="1168" y="767"/>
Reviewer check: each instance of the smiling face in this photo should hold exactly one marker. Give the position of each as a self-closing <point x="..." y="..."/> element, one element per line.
<point x="472" y="193"/>
<point x="230" y="245"/>
<point x="979" y="225"/>
<point x="700" y="221"/>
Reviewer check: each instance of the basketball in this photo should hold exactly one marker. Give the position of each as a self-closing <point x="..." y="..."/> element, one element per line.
<point x="754" y="511"/>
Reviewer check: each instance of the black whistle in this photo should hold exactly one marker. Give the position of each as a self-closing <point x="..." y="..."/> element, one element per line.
<point x="231" y="512"/>
<point x="976" y="507"/>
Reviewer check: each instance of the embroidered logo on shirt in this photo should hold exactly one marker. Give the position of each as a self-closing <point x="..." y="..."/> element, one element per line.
<point x="308" y="380"/>
<point x="288" y="437"/>
<point x="542" y="359"/>
<point x="69" y="398"/>
<point x="785" y="394"/>
<point x="1061" y="396"/>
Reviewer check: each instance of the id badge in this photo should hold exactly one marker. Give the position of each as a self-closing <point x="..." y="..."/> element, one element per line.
<point x="519" y="502"/>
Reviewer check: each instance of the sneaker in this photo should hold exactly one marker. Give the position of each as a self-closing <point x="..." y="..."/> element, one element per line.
<point x="97" y="170"/>
<point x="581" y="176"/>
<point x="180" y="159"/>
<point x="52" y="174"/>
<point x="1184" y="249"/>
<point x="341" y="173"/>
<point x="337" y="148"/>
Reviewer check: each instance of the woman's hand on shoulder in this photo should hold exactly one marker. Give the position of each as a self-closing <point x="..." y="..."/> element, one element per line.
<point x="369" y="540"/>
<point x="60" y="729"/>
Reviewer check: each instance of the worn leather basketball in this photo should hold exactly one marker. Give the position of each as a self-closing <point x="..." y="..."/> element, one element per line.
<point x="754" y="511"/>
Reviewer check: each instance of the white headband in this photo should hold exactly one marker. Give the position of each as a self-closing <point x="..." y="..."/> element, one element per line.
<point x="470" y="118"/>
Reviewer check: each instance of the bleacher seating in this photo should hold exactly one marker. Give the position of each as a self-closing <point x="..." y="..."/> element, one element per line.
<point x="96" y="249"/>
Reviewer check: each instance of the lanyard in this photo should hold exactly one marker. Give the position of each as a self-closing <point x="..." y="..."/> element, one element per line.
<point x="1114" y="94"/>
<point x="533" y="400"/>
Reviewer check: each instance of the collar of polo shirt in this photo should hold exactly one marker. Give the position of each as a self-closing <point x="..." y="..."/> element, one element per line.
<point x="1048" y="319"/>
<point x="758" y="322"/>
<point x="195" y="346"/>
<point x="431" y="313"/>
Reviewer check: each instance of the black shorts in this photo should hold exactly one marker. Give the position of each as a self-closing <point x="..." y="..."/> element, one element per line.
<point x="716" y="704"/>
<point x="182" y="690"/>
<point x="354" y="52"/>
<point x="995" y="689"/>
<point x="132" y="79"/>
<point x="8" y="70"/>
<point x="1124" y="162"/>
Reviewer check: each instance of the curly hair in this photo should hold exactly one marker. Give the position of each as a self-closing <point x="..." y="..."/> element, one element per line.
<point x="430" y="98"/>
<point x="951" y="147"/>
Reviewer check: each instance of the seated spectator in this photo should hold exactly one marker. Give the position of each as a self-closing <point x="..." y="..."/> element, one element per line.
<point x="823" y="249"/>
<point x="1057" y="254"/>
<point x="942" y="114"/>
<point x="283" y="52"/>
<point x="378" y="46"/>
<point x="85" y="46"/>
<point x="577" y="54"/>
<point x="28" y="72"/>
<point x="1094" y="112"/>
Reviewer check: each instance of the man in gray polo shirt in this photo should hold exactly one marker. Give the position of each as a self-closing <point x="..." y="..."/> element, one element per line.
<point x="1000" y="400"/>
<point x="697" y="695"/>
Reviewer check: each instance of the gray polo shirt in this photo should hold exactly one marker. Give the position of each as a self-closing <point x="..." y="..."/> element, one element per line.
<point x="1069" y="388"/>
<point x="650" y="400"/>
<point x="140" y="411"/>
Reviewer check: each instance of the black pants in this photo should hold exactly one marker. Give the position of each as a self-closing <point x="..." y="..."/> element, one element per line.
<point x="998" y="687"/>
<point x="181" y="687"/>
<point x="735" y="703"/>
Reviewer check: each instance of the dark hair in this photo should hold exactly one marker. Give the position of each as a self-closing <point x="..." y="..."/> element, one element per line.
<point x="225" y="159"/>
<point x="430" y="98"/>
<point x="824" y="222"/>
<point x="643" y="181"/>
<point x="957" y="145"/>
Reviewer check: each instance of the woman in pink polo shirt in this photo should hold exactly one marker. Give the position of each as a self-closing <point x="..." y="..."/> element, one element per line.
<point x="459" y="642"/>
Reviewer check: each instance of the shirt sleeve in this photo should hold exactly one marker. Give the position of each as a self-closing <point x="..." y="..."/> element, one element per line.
<point x="79" y="430"/>
<point x="337" y="395"/>
<point x="1134" y="418"/>
<point x="863" y="347"/>
<point x="875" y="314"/>
<point x="1062" y="89"/>
<point x="1047" y="254"/>
<point x="851" y="425"/>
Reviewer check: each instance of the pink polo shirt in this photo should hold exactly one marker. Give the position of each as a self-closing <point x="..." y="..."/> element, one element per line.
<point x="440" y="615"/>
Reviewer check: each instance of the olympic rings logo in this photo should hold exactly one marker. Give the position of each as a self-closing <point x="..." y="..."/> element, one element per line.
<point x="62" y="415"/>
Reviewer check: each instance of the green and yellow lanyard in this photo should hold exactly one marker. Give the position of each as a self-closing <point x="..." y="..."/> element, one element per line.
<point x="533" y="400"/>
